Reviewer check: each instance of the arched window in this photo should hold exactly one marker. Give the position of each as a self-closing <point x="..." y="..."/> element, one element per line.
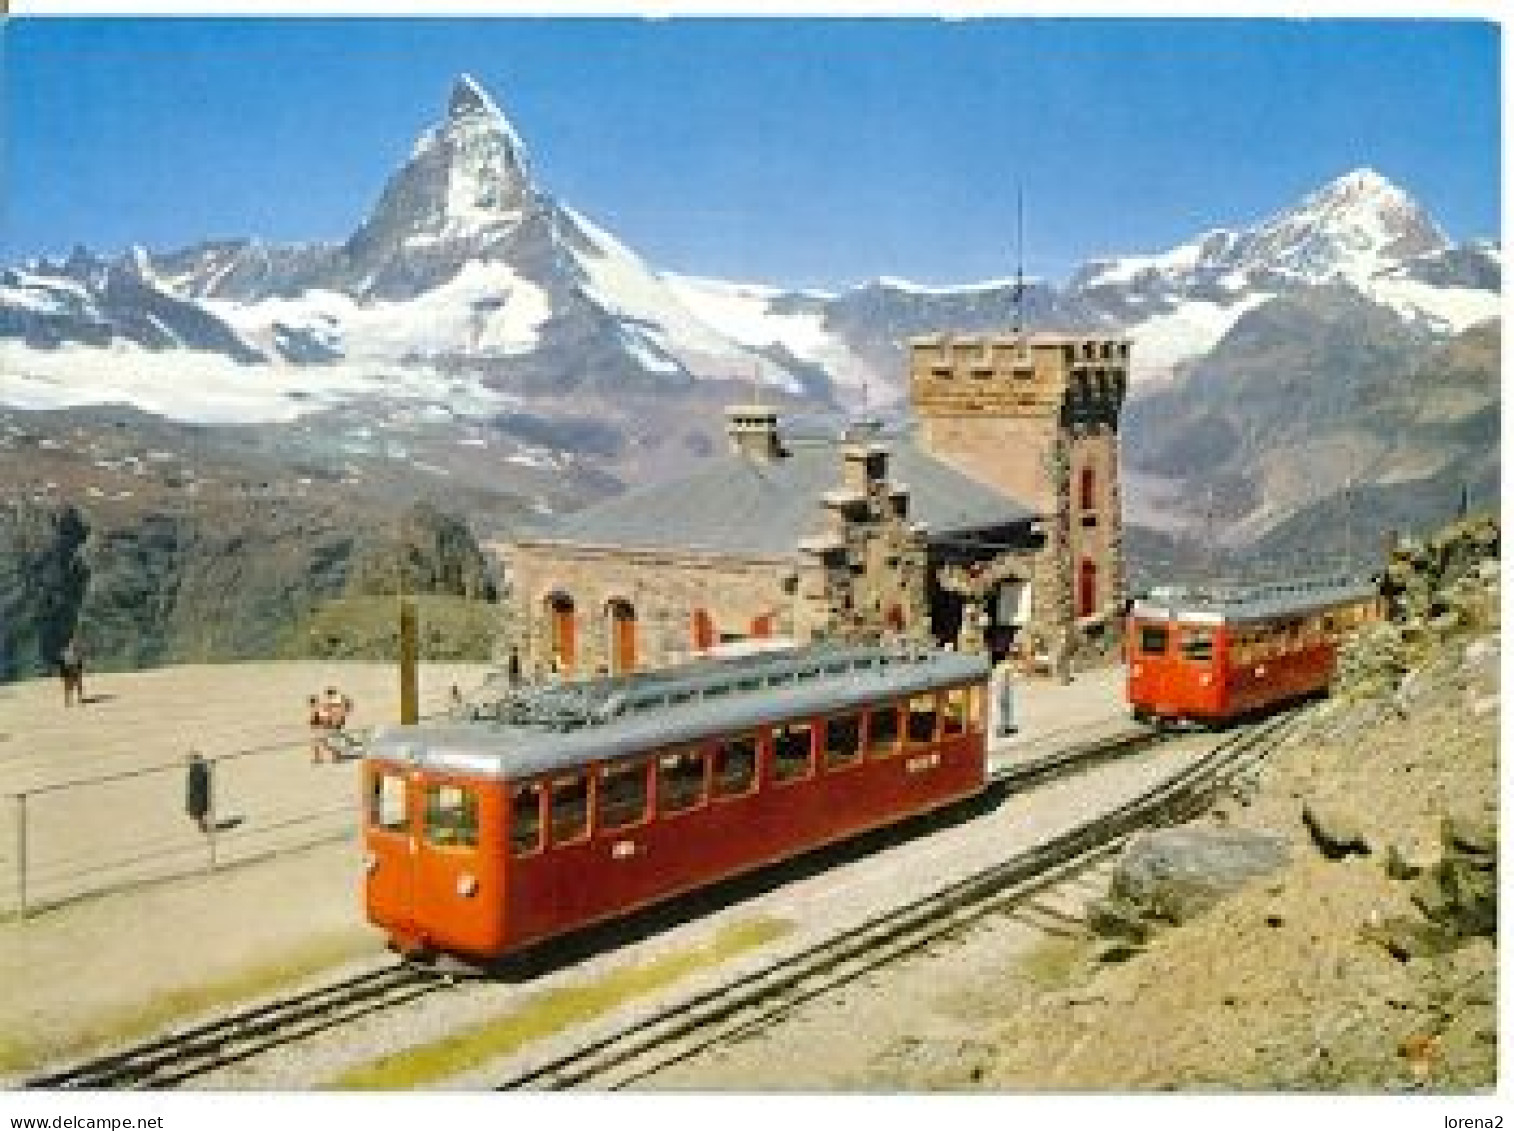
<point x="622" y="617"/>
<point x="703" y="629"/>
<point x="894" y="620"/>
<point x="1088" y="587"/>
<point x="762" y="626"/>
<point x="561" y="627"/>
<point x="1086" y="489"/>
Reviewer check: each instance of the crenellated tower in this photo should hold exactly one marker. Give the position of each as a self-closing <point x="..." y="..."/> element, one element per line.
<point x="1037" y="416"/>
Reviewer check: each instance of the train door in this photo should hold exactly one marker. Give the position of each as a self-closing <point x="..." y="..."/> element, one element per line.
<point x="390" y="838"/>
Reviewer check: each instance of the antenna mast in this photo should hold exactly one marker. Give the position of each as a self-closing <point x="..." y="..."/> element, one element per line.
<point x="1018" y="294"/>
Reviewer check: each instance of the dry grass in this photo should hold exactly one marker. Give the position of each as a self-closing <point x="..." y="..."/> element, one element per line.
<point x="541" y="1015"/>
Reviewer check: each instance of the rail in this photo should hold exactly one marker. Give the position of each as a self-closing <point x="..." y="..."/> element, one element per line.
<point x="181" y="1056"/>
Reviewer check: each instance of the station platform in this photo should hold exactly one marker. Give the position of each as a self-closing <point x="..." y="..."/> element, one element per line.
<point x="191" y="921"/>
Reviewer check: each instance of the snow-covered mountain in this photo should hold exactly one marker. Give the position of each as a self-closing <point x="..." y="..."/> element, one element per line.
<point x="1359" y="230"/>
<point x="469" y="271"/>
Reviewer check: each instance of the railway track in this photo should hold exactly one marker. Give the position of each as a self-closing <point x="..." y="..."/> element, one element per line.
<point x="184" y="1055"/>
<point x="760" y="999"/>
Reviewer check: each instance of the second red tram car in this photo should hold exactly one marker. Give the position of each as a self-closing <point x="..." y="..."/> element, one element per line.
<point x="1215" y="655"/>
<point x="539" y="810"/>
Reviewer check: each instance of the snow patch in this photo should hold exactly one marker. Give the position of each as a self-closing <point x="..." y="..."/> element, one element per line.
<point x="1191" y="329"/>
<point x="207" y="388"/>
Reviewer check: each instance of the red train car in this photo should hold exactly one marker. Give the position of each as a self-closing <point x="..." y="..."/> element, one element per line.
<point x="1216" y="655"/>
<point x="540" y="810"/>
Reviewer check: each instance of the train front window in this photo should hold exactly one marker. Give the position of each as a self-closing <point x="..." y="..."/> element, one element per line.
<point x="680" y="781"/>
<point x="791" y="751"/>
<point x="1153" y="640"/>
<point x="1198" y="645"/>
<point x="883" y="732"/>
<point x="451" y="816"/>
<point x="843" y="741"/>
<point x="923" y="715"/>
<point x="623" y="796"/>
<point x="570" y="809"/>
<point x="525" y="820"/>
<point x="735" y="766"/>
<point x="386" y="802"/>
<point x="954" y="719"/>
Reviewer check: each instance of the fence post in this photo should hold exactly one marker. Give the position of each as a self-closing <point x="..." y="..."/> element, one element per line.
<point x="21" y="852"/>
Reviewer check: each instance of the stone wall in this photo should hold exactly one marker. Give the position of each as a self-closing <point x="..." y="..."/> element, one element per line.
<point x="665" y="591"/>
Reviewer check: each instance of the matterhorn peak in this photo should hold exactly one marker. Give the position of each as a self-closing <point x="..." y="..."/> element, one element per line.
<point x="469" y="99"/>
<point x="466" y="186"/>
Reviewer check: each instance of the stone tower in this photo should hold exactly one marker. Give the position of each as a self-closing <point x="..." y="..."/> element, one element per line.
<point x="1037" y="416"/>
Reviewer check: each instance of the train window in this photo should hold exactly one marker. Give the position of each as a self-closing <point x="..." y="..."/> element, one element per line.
<point x="1198" y="645"/>
<point x="570" y="809"/>
<point x="736" y="766"/>
<point x="621" y="799"/>
<point x="975" y="708"/>
<point x="525" y="820"/>
<point x="882" y="732"/>
<point x="923" y="712"/>
<point x="843" y="740"/>
<point x="451" y="816"/>
<point x="792" y="751"/>
<point x="386" y="804"/>
<point x="954" y="720"/>
<point x="1153" y="640"/>
<point x="680" y="781"/>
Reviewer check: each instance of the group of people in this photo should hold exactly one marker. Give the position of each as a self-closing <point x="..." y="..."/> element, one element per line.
<point x="328" y="718"/>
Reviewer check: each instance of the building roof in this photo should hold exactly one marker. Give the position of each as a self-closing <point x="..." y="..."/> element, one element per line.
<point x="738" y="504"/>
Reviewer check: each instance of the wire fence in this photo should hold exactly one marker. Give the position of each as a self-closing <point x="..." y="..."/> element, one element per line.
<point x="92" y="835"/>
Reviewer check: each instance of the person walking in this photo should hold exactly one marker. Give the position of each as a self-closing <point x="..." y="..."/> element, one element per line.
<point x="71" y="668"/>
<point x="197" y="791"/>
<point x="1004" y="699"/>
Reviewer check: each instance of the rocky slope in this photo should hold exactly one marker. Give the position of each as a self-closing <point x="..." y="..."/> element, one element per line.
<point x="220" y="580"/>
<point x="1314" y="405"/>
<point x="1366" y="962"/>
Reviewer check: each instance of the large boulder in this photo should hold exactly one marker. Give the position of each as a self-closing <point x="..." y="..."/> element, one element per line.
<point x="1335" y="829"/>
<point x="1175" y="874"/>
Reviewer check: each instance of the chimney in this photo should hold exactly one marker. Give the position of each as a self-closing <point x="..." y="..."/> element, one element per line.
<point x="753" y="431"/>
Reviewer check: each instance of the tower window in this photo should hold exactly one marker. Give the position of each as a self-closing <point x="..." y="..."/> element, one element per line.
<point x="1086" y="483"/>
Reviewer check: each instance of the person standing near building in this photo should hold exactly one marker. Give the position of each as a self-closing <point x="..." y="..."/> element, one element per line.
<point x="1003" y="687"/>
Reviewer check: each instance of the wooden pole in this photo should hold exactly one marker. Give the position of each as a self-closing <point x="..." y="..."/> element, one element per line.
<point x="409" y="689"/>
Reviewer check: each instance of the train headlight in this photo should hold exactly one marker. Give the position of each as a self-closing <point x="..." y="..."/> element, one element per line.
<point x="467" y="885"/>
<point x="1136" y="671"/>
<point x="370" y="862"/>
<point x="1205" y="680"/>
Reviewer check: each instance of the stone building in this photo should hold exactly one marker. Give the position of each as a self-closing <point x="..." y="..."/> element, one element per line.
<point x="995" y="525"/>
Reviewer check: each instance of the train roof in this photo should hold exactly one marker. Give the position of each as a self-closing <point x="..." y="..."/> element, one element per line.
<point x="526" y="731"/>
<point x="1235" y="604"/>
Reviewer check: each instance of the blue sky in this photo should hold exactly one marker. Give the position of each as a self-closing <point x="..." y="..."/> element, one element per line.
<point x="801" y="152"/>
